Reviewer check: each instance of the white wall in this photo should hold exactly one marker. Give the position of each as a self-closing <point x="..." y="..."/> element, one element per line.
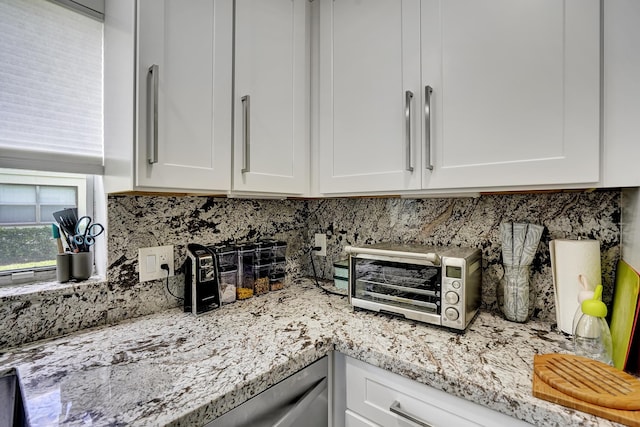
<point x="631" y="227"/>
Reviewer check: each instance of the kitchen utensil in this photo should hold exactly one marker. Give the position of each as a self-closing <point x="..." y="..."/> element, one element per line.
<point x="625" y="301"/>
<point x="589" y="380"/>
<point x="67" y="218"/>
<point x="56" y="235"/>
<point x="86" y="232"/>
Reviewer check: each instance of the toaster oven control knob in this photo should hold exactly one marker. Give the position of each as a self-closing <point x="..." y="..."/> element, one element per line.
<point x="452" y="313"/>
<point x="451" y="297"/>
<point x="456" y="284"/>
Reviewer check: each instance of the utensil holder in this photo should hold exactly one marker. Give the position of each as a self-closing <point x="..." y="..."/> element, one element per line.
<point x="81" y="265"/>
<point x="63" y="267"/>
<point x="516" y="296"/>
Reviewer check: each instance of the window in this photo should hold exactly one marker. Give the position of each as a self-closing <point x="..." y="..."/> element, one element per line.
<point x="51" y="125"/>
<point x="50" y="88"/>
<point x="27" y="202"/>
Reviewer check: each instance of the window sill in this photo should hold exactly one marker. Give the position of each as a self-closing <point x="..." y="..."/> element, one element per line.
<point x="49" y="288"/>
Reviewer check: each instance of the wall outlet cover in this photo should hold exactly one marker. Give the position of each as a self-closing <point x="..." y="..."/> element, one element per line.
<point x="321" y="241"/>
<point x="150" y="260"/>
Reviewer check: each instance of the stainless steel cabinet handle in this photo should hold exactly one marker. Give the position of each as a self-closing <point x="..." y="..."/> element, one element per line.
<point x="152" y="136"/>
<point x="427" y="125"/>
<point x="408" y="97"/>
<point x="246" y="137"/>
<point x="395" y="408"/>
<point x="292" y="417"/>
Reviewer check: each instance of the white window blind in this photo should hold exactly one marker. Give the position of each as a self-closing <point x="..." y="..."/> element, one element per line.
<point x="50" y="88"/>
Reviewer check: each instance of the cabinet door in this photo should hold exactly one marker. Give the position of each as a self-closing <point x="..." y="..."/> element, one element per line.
<point x="271" y="131"/>
<point x="369" y="125"/>
<point x="184" y="94"/>
<point x="516" y="92"/>
<point x="351" y="419"/>
<point x="621" y="91"/>
<point x="379" y="397"/>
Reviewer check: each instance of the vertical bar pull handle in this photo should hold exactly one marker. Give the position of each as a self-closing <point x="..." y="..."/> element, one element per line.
<point x="408" y="98"/>
<point x="396" y="409"/>
<point x="427" y="125"/>
<point x="246" y="136"/>
<point x="152" y="136"/>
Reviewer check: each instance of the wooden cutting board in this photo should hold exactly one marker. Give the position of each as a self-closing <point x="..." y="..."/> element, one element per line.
<point x="589" y="380"/>
<point x="623" y="316"/>
<point x="587" y="385"/>
<point x="544" y="391"/>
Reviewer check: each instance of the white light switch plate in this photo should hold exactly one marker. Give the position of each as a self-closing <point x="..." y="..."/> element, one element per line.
<point x="150" y="260"/>
<point x="321" y="242"/>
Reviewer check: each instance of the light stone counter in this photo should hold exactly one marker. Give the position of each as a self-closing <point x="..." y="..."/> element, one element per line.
<point x="172" y="368"/>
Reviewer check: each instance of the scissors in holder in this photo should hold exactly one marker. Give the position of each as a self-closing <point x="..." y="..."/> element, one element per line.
<point x="86" y="233"/>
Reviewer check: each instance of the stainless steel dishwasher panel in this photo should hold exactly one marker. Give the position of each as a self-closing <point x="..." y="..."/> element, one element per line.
<point x="297" y="401"/>
<point x="12" y="413"/>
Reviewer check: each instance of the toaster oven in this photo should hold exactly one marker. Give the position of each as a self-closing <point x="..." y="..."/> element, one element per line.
<point x="436" y="285"/>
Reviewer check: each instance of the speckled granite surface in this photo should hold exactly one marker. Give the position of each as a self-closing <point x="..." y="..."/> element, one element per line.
<point x="173" y="369"/>
<point x="31" y="313"/>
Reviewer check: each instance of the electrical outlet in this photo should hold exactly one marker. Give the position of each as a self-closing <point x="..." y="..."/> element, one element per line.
<point x="321" y="242"/>
<point x="150" y="261"/>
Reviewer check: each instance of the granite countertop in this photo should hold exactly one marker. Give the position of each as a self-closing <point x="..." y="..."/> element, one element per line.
<point x="171" y="368"/>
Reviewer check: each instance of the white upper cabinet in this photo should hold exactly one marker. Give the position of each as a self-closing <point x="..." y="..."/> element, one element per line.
<point x="271" y="97"/>
<point x="621" y="121"/>
<point x="181" y="77"/>
<point x="370" y="110"/>
<point x="458" y="94"/>
<point x="516" y="92"/>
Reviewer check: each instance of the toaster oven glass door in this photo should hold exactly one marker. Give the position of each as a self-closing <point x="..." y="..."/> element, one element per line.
<point x="412" y="286"/>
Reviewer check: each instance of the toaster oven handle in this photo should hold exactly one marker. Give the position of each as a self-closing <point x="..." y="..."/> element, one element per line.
<point x="431" y="257"/>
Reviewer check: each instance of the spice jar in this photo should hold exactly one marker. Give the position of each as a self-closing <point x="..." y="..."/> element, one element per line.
<point x="228" y="283"/>
<point x="245" y="256"/>
<point x="261" y="278"/>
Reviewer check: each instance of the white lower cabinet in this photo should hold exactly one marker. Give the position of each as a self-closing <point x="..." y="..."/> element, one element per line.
<point x="378" y="397"/>
<point x="351" y="419"/>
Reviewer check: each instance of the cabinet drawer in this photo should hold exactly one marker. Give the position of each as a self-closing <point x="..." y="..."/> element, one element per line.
<point x="351" y="419"/>
<point x="371" y="393"/>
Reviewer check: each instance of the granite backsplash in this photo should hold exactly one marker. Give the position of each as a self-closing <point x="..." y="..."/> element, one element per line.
<point x="474" y="222"/>
<point x="143" y="221"/>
